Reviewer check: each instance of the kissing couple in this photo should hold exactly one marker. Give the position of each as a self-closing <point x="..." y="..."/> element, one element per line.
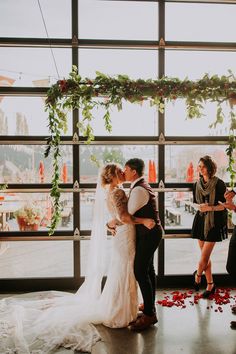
<point x="137" y="233"/>
<point x="44" y="321"/>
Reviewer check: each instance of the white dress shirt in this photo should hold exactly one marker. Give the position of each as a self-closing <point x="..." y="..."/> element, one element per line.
<point x="139" y="197"/>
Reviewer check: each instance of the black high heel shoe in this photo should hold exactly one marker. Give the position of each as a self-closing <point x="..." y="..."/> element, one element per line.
<point x="195" y="284"/>
<point x="206" y="294"/>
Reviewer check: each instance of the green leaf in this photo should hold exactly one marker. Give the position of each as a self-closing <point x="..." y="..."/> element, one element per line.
<point x="86" y="94"/>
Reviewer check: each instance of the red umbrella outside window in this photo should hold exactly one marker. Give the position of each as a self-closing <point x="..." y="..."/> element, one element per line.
<point x="190" y="173"/>
<point x="41" y="172"/>
<point x="152" y="175"/>
<point x="64" y="173"/>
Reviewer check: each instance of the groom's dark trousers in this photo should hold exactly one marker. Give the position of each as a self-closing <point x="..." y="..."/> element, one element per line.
<point x="147" y="242"/>
<point x="146" y="245"/>
<point x="231" y="260"/>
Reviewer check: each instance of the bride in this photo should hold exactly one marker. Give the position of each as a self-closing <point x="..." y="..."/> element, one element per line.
<point x="40" y="322"/>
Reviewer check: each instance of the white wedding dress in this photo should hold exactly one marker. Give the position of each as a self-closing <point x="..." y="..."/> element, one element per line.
<point x="38" y="323"/>
<point x="119" y="297"/>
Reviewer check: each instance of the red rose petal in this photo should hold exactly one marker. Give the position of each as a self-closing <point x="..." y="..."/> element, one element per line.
<point x="178" y="298"/>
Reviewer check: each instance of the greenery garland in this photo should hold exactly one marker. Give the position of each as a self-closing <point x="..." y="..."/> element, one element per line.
<point x="3" y="186"/>
<point x="105" y="91"/>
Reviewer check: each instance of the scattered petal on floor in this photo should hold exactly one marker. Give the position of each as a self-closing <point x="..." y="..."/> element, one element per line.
<point x="222" y="296"/>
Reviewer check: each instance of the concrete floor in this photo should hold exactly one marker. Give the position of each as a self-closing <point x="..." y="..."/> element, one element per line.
<point x="192" y="330"/>
<point x="195" y="329"/>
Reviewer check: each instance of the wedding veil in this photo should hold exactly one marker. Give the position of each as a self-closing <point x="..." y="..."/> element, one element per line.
<point x="50" y="319"/>
<point x="96" y="267"/>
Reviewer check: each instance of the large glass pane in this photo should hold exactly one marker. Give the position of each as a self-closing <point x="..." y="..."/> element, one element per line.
<point x="134" y="63"/>
<point x="177" y="123"/>
<point x="87" y="200"/>
<point x="36" y="259"/>
<point x="33" y="67"/>
<point x="179" y="210"/>
<point x="26" y="164"/>
<point x="116" y="154"/>
<point x="118" y="19"/>
<point x="25" y="116"/>
<point x="25" y="18"/>
<point x="84" y="259"/>
<point x="198" y="63"/>
<point x="181" y="162"/>
<point x="84" y="253"/>
<point x="200" y="22"/>
<point x="26" y="212"/>
<point x="182" y="256"/>
<point x="128" y="62"/>
<point x="132" y="120"/>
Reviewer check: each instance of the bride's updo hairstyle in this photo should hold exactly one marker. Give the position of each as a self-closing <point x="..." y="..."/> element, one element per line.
<point x="108" y="173"/>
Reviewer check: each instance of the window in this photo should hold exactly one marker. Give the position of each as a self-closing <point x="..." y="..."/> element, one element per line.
<point x="23" y="18"/>
<point x="118" y="20"/>
<point x="200" y="22"/>
<point x="115" y="38"/>
<point x="24" y="259"/>
<point x="116" y="154"/>
<point x="181" y="162"/>
<point x="33" y="67"/>
<point x="27" y="164"/>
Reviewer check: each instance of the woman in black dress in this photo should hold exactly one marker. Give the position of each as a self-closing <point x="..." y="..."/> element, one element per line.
<point x="210" y="222"/>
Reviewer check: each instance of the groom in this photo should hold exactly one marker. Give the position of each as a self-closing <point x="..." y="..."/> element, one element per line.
<point x="142" y="203"/>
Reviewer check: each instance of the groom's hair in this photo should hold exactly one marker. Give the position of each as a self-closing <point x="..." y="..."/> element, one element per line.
<point x="137" y="165"/>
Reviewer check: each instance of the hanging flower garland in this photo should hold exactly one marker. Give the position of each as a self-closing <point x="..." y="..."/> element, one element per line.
<point x="105" y="91"/>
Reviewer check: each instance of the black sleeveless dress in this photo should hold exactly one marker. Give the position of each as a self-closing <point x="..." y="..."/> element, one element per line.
<point x="219" y="232"/>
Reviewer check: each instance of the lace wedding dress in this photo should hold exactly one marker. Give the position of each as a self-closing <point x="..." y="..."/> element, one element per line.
<point x="119" y="298"/>
<point x="38" y="323"/>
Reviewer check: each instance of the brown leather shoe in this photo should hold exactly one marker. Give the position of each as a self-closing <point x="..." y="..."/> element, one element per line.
<point x="138" y="315"/>
<point x="233" y="309"/>
<point x="141" y="308"/>
<point x="233" y="324"/>
<point x="144" y="322"/>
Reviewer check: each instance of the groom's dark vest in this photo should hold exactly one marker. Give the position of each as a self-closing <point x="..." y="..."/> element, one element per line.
<point x="149" y="210"/>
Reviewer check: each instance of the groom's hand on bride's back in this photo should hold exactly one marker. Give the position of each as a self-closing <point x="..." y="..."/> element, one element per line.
<point x="149" y="223"/>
